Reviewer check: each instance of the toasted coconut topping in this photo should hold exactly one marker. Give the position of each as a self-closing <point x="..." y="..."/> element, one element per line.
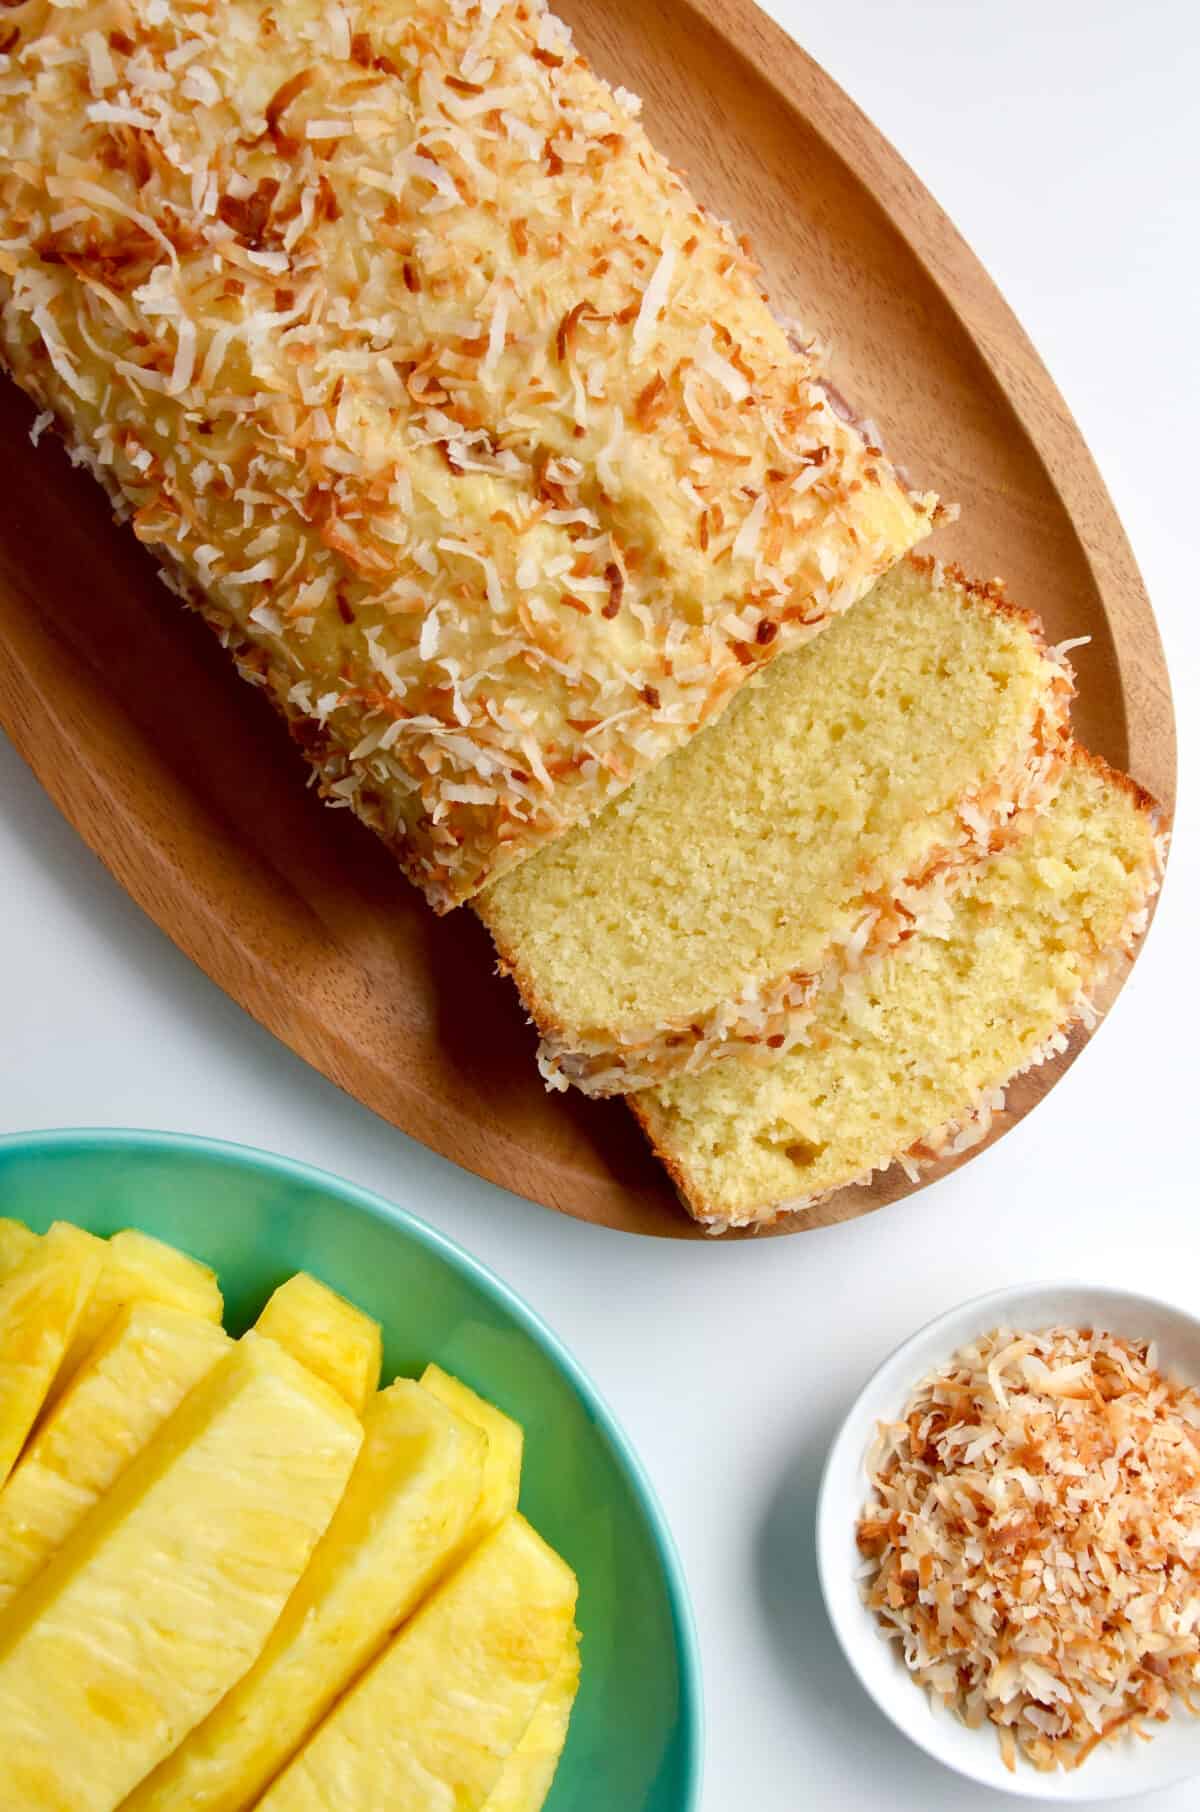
<point x="1032" y="1539"/>
<point x="307" y="286"/>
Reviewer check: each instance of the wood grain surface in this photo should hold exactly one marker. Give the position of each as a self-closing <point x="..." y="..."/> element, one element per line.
<point x="187" y="787"/>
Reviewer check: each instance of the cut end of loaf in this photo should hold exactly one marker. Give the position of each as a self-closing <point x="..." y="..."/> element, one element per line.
<point x="829" y="815"/>
<point x="910" y="1065"/>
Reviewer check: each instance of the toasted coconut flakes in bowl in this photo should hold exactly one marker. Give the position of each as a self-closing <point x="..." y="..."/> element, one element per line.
<point x="1032" y="1540"/>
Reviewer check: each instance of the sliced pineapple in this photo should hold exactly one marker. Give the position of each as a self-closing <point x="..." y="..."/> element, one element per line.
<point x="502" y="1467"/>
<point x="430" y="1725"/>
<point x="137" y="1374"/>
<point x="41" y="1303"/>
<point x="328" y="1334"/>
<point x="413" y="1491"/>
<point x="528" y="1774"/>
<point x="167" y="1592"/>
<point x="16" y="1243"/>
<point x="138" y="1268"/>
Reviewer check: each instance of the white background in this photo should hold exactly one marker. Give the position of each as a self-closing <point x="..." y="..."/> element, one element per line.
<point x="1060" y="135"/>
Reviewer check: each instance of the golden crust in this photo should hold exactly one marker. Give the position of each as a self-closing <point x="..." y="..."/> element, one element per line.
<point x="1141" y="796"/>
<point x="409" y="356"/>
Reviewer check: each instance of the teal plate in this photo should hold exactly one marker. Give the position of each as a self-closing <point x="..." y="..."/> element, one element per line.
<point x="635" y="1738"/>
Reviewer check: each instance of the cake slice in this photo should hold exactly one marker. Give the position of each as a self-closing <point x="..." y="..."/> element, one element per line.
<point x="827" y="816"/>
<point x="433" y="388"/>
<point x="912" y="1062"/>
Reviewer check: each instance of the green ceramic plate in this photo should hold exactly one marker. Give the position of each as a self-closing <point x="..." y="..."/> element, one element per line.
<point x="635" y="1741"/>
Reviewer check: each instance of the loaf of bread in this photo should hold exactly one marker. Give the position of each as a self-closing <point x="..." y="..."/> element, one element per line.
<point x="432" y="387"/>
<point x="912" y="1063"/>
<point x="830" y="813"/>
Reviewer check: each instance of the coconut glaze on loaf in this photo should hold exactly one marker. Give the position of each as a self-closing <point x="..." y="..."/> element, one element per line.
<point x="433" y="388"/>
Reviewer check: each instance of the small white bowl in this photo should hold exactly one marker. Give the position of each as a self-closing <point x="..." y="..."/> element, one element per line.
<point x="1113" y="1771"/>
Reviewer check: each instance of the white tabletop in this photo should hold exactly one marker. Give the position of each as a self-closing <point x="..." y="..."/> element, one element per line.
<point x="1060" y="136"/>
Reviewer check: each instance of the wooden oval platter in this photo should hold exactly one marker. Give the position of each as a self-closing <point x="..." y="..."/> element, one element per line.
<point x="189" y="790"/>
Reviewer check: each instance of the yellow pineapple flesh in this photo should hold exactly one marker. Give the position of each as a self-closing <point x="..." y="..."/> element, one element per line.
<point x="41" y="1302"/>
<point x="431" y="1724"/>
<point x="505" y="1443"/>
<point x="413" y="1490"/>
<point x="16" y="1243"/>
<point x="528" y="1774"/>
<point x="137" y="1374"/>
<point x="165" y="1594"/>
<point x="138" y="1268"/>
<point x="328" y="1334"/>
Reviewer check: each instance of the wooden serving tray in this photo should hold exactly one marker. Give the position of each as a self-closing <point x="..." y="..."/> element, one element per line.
<point x="189" y="790"/>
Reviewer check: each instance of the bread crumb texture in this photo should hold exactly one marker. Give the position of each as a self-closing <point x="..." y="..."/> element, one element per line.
<point x="923" y="1043"/>
<point x="825" y="817"/>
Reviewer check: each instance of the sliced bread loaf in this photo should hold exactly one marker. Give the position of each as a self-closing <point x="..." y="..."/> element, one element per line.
<point x="912" y="1062"/>
<point x="433" y="388"/>
<point x="825" y="817"/>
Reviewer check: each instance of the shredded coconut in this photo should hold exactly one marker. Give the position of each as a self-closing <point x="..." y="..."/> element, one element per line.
<point x="1033" y="1539"/>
